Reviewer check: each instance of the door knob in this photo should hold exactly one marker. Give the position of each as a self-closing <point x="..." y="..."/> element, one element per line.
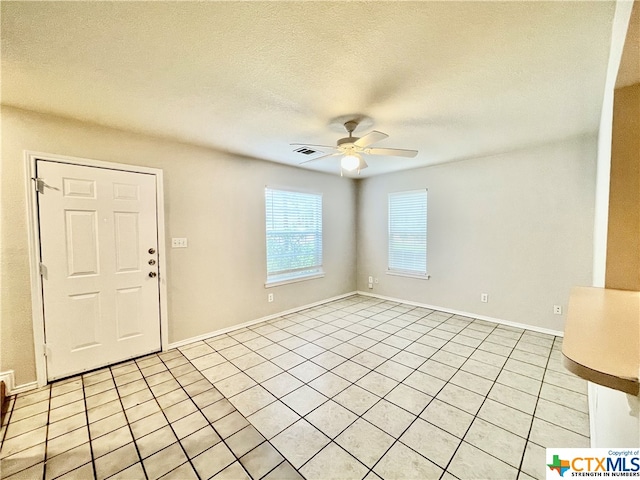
<point x="152" y="274"/>
<point x="152" y="250"/>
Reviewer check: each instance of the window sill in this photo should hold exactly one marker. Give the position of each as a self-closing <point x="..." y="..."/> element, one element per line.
<point x="293" y="280"/>
<point x="409" y="275"/>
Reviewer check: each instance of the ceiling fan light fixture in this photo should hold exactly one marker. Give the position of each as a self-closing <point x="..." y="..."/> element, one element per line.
<point x="351" y="162"/>
<point x="350" y="149"/>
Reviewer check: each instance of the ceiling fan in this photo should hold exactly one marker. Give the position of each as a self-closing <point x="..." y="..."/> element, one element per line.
<point x="352" y="148"/>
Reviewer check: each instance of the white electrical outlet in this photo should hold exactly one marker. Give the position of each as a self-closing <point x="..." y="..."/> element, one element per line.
<point x="270" y="297"/>
<point x="484" y="297"/>
<point x="179" y="243"/>
<point x="370" y="279"/>
<point x="557" y="309"/>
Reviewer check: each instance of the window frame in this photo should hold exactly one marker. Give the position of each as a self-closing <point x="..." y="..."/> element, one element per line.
<point x="307" y="272"/>
<point x="393" y="269"/>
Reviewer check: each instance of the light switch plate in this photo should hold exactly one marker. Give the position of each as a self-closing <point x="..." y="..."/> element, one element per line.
<point x="179" y="243"/>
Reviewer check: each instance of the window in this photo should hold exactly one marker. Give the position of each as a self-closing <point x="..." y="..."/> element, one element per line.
<point x="408" y="233"/>
<point x="294" y="235"/>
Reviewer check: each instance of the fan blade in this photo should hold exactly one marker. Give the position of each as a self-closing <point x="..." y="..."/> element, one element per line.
<point x="370" y="138"/>
<point x="332" y="147"/>
<point x="321" y="157"/>
<point x="394" y="152"/>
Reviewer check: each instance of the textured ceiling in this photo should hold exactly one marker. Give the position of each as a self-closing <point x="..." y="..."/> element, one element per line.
<point x="451" y="79"/>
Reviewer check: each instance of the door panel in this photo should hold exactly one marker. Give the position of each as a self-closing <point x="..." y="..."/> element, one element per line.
<point x="123" y="191"/>
<point x="96" y="228"/>
<point x="128" y="312"/>
<point x="81" y="242"/>
<point x="84" y="320"/>
<point x="76" y="187"/>
<point x="127" y="242"/>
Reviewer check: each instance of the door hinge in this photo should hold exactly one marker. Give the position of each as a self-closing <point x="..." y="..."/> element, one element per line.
<point x="43" y="269"/>
<point x="39" y="184"/>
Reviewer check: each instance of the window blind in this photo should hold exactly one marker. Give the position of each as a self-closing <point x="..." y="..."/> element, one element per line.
<point x="408" y="232"/>
<point x="294" y="234"/>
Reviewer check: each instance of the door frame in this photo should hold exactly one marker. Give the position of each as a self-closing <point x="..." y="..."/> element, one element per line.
<point x="33" y="223"/>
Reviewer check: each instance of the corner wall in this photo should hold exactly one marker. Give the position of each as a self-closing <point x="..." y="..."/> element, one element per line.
<point x="623" y="239"/>
<point x="613" y="415"/>
<point x="214" y="199"/>
<point x="518" y="226"/>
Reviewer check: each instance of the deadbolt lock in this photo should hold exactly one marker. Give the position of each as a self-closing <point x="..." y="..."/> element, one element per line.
<point x="152" y="262"/>
<point x="152" y="250"/>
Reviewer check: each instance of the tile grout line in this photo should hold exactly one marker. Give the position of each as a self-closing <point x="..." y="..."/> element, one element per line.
<point x="8" y="416"/>
<point x="535" y="409"/>
<point x="199" y="410"/>
<point x="133" y="438"/>
<point x="46" y="437"/>
<point x="379" y="341"/>
<point x="86" y="412"/>
<point x="386" y="359"/>
<point x="459" y="332"/>
<point x="397" y="439"/>
<point x="446" y="382"/>
<point x="86" y="425"/>
<point x="277" y="399"/>
<point x="301" y="416"/>
<point x="458" y="369"/>
<point x="312" y="315"/>
<point x="475" y="416"/>
<point x="182" y="387"/>
<point x="169" y="423"/>
<point x="307" y="383"/>
<point x="358" y="416"/>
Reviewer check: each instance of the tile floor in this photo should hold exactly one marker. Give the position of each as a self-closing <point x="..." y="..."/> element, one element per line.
<point x="357" y="388"/>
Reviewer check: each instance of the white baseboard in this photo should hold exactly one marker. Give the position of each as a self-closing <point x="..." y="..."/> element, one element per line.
<point x="9" y="381"/>
<point x="232" y="328"/>
<point x="25" y="387"/>
<point x="533" y="328"/>
<point x="205" y="336"/>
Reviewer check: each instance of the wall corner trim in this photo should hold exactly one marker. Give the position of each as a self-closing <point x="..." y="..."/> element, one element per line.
<point x="9" y="381"/>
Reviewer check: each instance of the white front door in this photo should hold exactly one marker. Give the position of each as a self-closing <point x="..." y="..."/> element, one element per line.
<point x="98" y="243"/>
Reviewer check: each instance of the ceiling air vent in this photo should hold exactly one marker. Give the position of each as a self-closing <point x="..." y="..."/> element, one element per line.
<point x="306" y="151"/>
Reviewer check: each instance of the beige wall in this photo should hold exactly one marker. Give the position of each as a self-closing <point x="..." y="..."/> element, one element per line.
<point x="623" y="239"/>
<point x="518" y="226"/>
<point x="216" y="200"/>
